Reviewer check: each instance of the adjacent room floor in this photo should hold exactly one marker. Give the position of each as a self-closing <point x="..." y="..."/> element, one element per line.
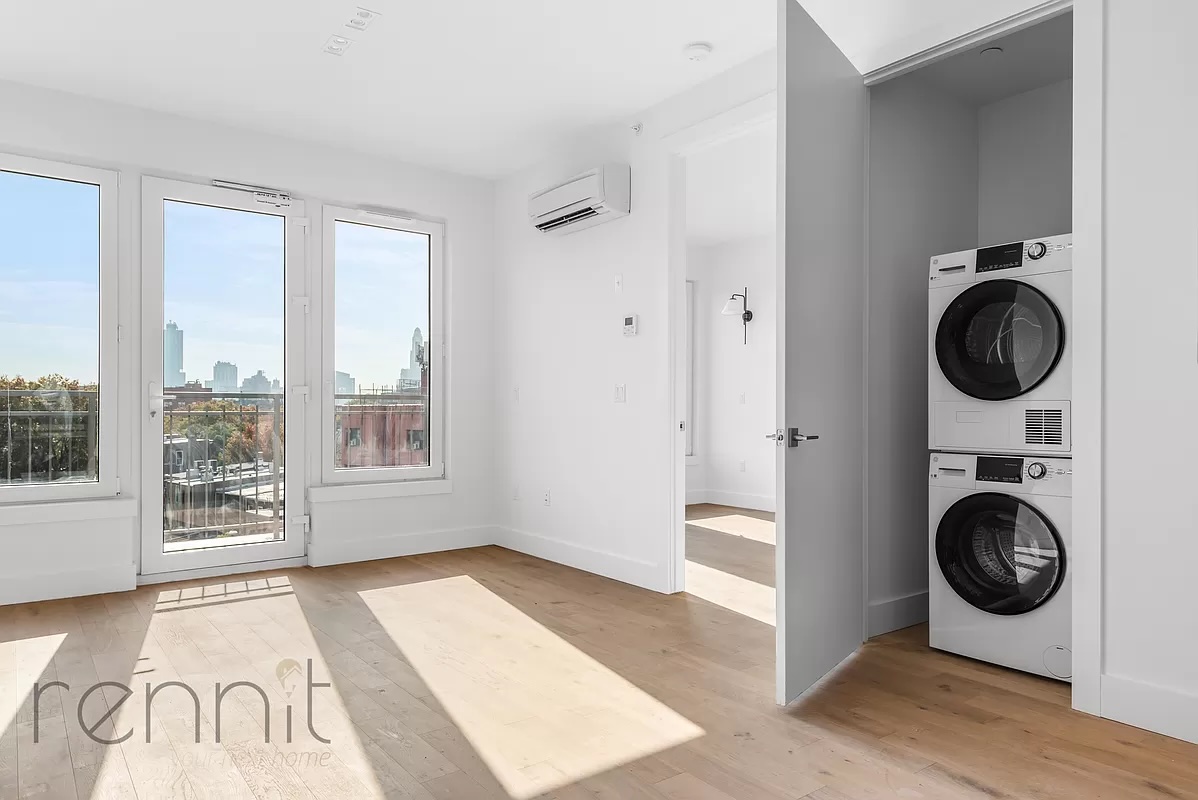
<point x="489" y="674"/>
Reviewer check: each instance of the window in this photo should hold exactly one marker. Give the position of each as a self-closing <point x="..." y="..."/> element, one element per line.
<point x="57" y="299"/>
<point x="383" y="345"/>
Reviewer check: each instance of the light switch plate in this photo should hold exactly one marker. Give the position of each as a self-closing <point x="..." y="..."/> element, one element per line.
<point x="621" y="393"/>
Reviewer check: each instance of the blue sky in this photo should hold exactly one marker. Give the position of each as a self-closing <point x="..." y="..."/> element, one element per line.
<point x="223" y="287"/>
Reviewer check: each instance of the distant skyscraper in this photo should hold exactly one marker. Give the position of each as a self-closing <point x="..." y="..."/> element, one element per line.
<point x="410" y="376"/>
<point x="172" y="356"/>
<point x="344" y="383"/>
<point x="224" y="377"/>
<point x="256" y="384"/>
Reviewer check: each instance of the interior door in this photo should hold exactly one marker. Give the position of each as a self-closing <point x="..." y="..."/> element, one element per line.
<point x="822" y="144"/>
<point x="223" y="410"/>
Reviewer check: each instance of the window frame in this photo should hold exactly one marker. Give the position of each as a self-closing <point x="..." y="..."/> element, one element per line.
<point x="107" y="484"/>
<point x="436" y="436"/>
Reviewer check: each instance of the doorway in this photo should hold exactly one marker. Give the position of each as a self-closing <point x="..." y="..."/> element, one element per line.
<point x="222" y="365"/>
<point x="730" y="370"/>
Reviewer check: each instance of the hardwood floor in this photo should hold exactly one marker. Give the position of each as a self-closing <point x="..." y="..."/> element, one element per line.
<point x="489" y="674"/>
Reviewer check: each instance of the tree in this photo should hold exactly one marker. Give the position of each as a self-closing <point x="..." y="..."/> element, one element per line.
<point x="50" y="429"/>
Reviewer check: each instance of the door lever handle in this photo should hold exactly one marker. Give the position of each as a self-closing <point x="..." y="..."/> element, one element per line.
<point x="796" y="437"/>
<point x="779" y="436"/>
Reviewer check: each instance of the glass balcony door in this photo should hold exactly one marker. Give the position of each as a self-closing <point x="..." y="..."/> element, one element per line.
<point x="223" y="371"/>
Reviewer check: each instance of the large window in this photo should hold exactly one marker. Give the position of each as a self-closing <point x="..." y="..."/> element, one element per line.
<point x="57" y="330"/>
<point x="383" y="347"/>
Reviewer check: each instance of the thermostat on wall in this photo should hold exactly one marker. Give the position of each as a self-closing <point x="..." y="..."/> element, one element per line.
<point x="630" y="325"/>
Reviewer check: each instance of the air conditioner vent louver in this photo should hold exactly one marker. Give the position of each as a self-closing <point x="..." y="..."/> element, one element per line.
<point x="1044" y="427"/>
<point x="569" y="219"/>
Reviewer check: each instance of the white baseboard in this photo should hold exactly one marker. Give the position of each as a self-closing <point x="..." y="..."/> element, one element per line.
<point x="697" y="497"/>
<point x="1153" y="708"/>
<point x="324" y="552"/>
<point x="609" y="565"/>
<point x="897" y="613"/>
<point x="76" y="583"/>
<point x="753" y="502"/>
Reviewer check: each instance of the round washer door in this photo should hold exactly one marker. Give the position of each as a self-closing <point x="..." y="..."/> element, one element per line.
<point x="999" y="339"/>
<point x="1000" y="554"/>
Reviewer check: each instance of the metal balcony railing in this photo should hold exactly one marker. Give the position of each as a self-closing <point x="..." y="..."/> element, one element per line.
<point x="49" y="435"/>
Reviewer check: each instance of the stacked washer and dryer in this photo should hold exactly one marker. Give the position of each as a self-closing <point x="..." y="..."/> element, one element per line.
<point x="1000" y="508"/>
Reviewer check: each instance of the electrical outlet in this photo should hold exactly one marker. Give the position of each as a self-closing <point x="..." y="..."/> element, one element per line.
<point x="516" y="394"/>
<point x="621" y="393"/>
<point x="516" y="493"/>
<point x="548" y="499"/>
<point x="741" y="465"/>
<point x="619" y="283"/>
<point x="742" y="398"/>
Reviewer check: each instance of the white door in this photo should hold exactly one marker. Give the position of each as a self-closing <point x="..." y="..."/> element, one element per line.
<point x="223" y="321"/>
<point x="822" y="119"/>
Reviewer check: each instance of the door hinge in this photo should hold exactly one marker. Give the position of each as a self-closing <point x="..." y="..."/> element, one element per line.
<point x="118" y="486"/>
<point x="120" y="333"/>
<point x="303" y="521"/>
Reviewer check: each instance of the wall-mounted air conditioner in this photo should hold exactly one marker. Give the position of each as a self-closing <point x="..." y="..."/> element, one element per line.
<point x="594" y="197"/>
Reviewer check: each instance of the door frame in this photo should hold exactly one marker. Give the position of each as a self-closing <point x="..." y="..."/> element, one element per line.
<point x="711" y="132"/>
<point x="155" y="564"/>
<point x="1087" y="343"/>
<point x="1089" y="93"/>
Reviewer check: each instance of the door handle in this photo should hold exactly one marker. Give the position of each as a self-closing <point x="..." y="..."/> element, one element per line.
<point x="796" y="437"/>
<point x="778" y="436"/>
<point x="157" y="399"/>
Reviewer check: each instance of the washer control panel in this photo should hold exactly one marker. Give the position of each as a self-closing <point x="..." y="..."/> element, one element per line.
<point x="1014" y="474"/>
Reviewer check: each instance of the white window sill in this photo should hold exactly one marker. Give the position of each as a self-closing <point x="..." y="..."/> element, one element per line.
<point x="378" y="491"/>
<point x="68" y="511"/>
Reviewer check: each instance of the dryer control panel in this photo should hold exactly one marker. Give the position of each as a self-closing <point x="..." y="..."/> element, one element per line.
<point x="1009" y="474"/>
<point x="1012" y="260"/>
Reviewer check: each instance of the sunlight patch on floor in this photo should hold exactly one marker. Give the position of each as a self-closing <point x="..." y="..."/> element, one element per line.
<point x="732" y="592"/>
<point x="540" y="713"/>
<point x="22" y="663"/>
<point x="759" y="530"/>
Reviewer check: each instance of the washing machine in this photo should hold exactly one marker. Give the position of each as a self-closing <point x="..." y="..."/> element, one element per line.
<point x="999" y="366"/>
<point x="999" y="587"/>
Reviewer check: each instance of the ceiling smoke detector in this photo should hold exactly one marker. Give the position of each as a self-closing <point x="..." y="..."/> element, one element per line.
<point x="698" y="51"/>
<point x="361" y="19"/>
<point x="990" y="52"/>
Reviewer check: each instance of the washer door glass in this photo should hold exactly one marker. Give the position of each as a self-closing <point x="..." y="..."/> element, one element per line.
<point x="999" y="339"/>
<point x="1000" y="554"/>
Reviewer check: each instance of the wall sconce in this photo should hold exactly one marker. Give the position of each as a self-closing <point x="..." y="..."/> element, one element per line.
<point x="739" y="304"/>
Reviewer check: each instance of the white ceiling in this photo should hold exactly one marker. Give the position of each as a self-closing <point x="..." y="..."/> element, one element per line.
<point x="475" y="86"/>
<point x="1031" y="58"/>
<point x="732" y="189"/>
<point x="876" y="33"/>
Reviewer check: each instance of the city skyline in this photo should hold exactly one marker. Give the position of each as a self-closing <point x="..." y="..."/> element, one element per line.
<point x="223" y="287"/>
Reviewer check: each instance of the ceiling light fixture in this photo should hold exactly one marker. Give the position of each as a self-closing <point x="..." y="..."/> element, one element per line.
<point x="992" y="51"/>
<point x="337" y="45"/>
<point x="361" y="19"/>
<point x="698" y="51"/>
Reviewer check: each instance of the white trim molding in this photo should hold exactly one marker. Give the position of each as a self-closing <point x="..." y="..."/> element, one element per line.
<point x="626" y="570"/>
<point x="1003" y="27"/>
<point x="1153" y="708"/>
<point x="329" y="550"/>
<point x="897" y="613"/>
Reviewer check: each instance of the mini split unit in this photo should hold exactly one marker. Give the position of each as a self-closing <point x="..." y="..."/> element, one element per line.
<point x="584" y="201"/>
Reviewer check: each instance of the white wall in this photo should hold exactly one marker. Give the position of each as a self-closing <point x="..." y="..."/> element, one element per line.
<point x="1026" y="166"/>
<point x="559" y="346"/>
<point x="737" y="382"/>
<point x="1151" y="371"/>
<point x="55" y="125"/>
<point x="923" y="197"/>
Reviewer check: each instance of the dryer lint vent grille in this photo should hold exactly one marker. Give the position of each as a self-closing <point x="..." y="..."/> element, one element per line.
<point x="1044" y="427"/>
